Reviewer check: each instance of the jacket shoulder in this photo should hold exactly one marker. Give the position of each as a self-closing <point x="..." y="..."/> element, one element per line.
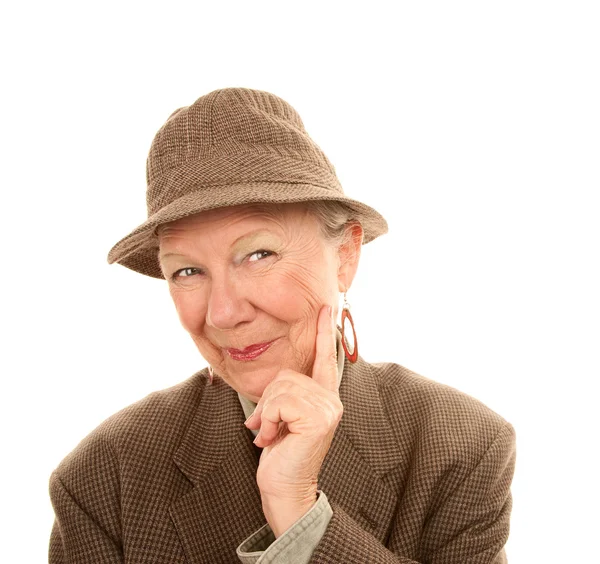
<point x="127" y="454"/>
<point x="156" y="420"/>
<point x="445" y="417"/>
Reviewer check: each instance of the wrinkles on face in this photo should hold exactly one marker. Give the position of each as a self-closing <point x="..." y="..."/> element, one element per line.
<point x="238" y="298"/>
<point x="298" y="270"/>
<point x="202" y="232"/>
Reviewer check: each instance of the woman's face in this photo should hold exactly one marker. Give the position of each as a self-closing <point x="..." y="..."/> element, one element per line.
<point x="248" y="284"/>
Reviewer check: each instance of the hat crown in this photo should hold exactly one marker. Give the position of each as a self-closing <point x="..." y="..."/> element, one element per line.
<point x="231" y="147"/>
<point x="228" y="136"/>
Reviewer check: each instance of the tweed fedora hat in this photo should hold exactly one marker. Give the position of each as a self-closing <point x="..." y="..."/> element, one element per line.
<point x="232" y="146"/>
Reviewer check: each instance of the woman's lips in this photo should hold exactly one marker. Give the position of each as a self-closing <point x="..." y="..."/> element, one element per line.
<point x="249" y="353"/>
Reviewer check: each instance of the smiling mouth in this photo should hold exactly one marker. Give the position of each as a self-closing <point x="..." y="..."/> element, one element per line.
<point x="251" y="352"/>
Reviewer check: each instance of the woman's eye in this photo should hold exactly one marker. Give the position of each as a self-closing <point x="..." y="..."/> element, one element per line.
<point x="184" y="272"/>
<point x="258" y="255"/>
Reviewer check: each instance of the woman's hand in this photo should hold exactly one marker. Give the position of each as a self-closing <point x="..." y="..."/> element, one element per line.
<point x="297" y="416"/>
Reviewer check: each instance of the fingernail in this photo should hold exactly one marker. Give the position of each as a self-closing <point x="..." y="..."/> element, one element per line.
<point x="256" y="439"/>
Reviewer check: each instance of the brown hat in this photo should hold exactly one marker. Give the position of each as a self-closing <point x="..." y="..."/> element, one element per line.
<point x="232" y="146"/>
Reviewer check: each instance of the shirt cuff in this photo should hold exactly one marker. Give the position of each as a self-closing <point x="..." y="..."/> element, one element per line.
<point x="294" y="546"/>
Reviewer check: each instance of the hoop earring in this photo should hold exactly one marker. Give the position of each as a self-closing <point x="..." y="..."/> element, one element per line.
<point x="351" y="356"/>
<point x="211" y="374"/>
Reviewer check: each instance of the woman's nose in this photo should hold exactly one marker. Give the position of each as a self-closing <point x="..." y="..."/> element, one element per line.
<point x="227" y="305"/>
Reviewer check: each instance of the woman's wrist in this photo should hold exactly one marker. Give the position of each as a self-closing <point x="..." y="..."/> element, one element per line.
<point x="281" y="514"/>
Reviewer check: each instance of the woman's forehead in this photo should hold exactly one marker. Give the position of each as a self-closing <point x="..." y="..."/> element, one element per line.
<point x="235" y="218"/>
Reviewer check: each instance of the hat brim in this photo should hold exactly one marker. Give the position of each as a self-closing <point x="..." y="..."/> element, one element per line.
<point x="138" y="250"/>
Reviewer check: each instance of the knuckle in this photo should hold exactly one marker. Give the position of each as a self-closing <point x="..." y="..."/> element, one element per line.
<point x="270" y="412"/>
<point x="275" y="403"/>
<point x="285" y="374"/>
<point x="281" y="386"/>
<point x="288" y="397"/>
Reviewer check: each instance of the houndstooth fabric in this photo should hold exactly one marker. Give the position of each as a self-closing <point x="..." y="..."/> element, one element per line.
<point x="417" y="472"/>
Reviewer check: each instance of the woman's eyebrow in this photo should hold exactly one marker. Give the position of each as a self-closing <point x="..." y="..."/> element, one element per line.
<point x="251" y="238"/>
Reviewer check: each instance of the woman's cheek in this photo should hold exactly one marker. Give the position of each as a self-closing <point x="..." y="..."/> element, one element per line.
<point x="189" y="309"/>
<point x="306" y="282"/>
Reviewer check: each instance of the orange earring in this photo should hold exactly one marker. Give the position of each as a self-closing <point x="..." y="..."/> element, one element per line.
<point x="351" y="356"/>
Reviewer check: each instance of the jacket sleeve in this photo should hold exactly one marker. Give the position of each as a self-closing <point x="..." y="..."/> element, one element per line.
<point x="470" y="527"/>
<point x="84" y="491"/>
<point x="75" y="536"/>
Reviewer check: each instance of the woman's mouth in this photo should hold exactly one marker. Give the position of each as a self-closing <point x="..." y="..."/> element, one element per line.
<point x="249" y="353"/>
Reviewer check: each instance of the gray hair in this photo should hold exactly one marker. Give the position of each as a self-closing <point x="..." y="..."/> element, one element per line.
<point x="333" y="217"/>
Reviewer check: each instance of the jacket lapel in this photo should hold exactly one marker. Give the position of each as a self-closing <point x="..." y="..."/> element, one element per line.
<point x="364" y="449"/>
<point x="217" y="456"/>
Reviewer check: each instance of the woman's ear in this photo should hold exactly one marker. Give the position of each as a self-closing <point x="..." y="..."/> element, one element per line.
<point x="349" y="255"/>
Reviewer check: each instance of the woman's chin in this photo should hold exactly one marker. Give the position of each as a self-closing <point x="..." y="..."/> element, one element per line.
<point x="252" y="383"/>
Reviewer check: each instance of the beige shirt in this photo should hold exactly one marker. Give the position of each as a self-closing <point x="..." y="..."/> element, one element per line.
<point x="296" y="545"/>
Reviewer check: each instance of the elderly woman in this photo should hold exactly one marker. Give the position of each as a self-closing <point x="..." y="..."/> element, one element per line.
<point x="288" y="447"/>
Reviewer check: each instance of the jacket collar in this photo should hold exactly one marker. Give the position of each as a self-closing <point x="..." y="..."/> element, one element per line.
<point x="217" y="456"/>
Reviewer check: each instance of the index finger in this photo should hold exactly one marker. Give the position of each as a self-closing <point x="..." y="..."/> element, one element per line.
<point x="325" y="370"/>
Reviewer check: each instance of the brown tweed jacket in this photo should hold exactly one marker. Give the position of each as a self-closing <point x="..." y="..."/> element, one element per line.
<point x="417" y="472"/>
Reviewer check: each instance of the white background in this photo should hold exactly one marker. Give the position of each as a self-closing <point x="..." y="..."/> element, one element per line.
<point x="474" y="127"/>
